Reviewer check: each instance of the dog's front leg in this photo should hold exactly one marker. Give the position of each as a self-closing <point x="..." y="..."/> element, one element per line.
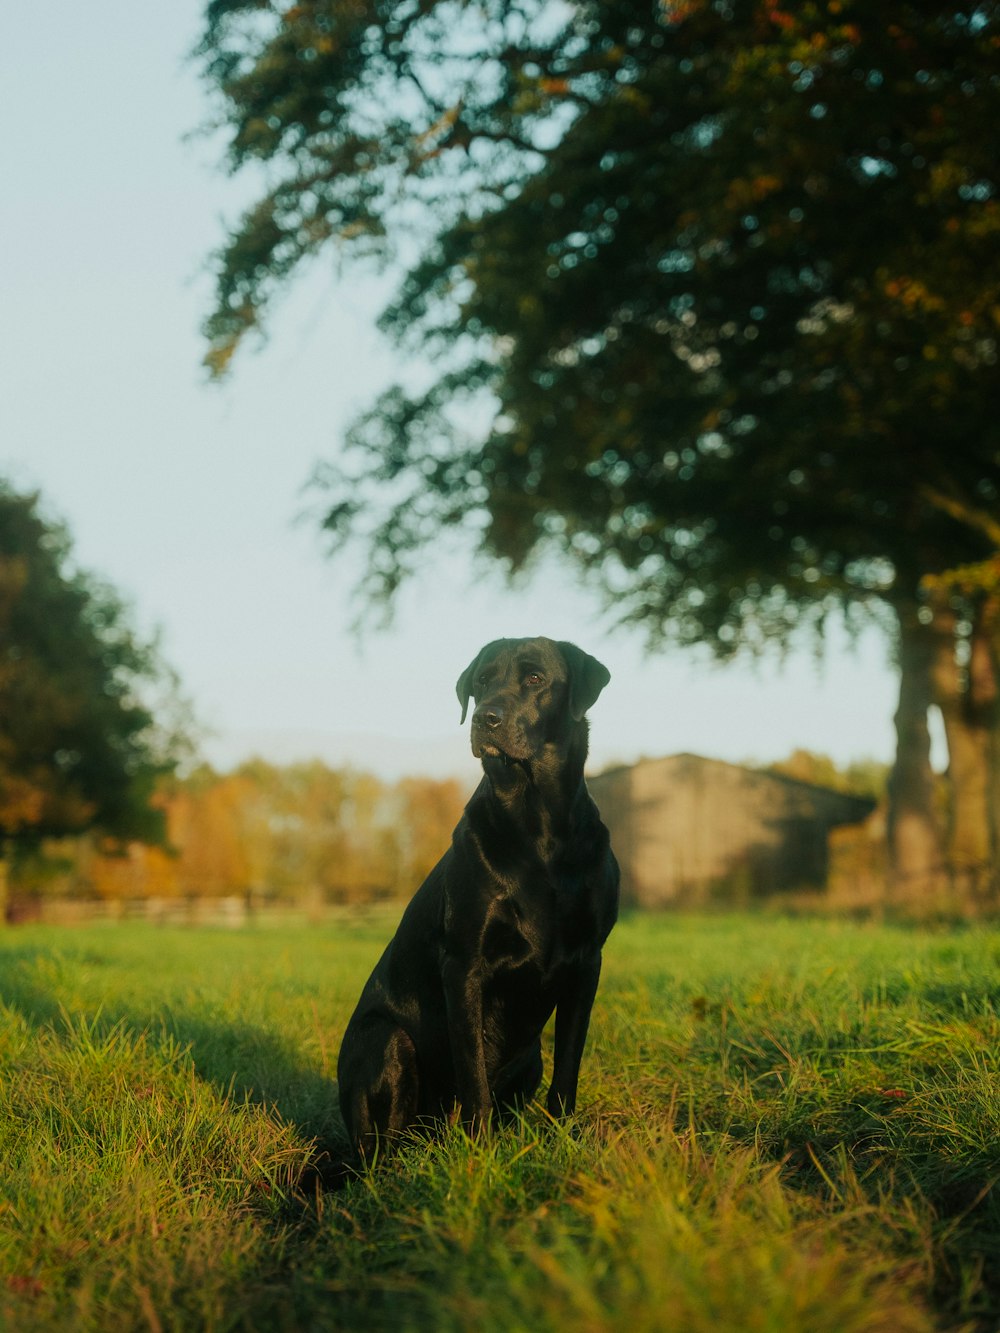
<point x="573" y="1008"/>
<point x="463" y="991"/>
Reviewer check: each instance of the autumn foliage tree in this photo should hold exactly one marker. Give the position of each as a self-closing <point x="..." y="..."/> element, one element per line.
<point x="711" y="293"/>
<point x="297" y="834"/>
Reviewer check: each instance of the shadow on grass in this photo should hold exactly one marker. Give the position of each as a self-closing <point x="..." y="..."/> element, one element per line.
<point x="243" y="1062"/>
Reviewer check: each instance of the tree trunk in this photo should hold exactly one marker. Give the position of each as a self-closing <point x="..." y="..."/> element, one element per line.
<point x="984" y="686"/>
<point x="916" y="861"/>
<point x="961" y="693"/>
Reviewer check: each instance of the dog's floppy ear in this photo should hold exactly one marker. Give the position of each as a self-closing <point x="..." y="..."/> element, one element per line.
<point x="587" y="677"/>
<point x="467" y="680"/>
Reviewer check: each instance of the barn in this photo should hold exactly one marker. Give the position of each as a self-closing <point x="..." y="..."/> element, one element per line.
<point x="694" y="831"/>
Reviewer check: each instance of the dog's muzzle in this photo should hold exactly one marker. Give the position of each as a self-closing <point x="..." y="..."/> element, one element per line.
<point x="489" y="735"/>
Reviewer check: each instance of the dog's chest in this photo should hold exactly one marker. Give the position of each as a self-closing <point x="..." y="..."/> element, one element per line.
<point x="539" y="924"/>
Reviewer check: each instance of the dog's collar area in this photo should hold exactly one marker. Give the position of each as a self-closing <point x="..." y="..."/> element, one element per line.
<point x="489" y="749"/>
<point x="494" y="752"/>
<point x="494" y="760"/>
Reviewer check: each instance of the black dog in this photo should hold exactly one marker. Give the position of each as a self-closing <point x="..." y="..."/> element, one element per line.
<point x="507" y="927"/>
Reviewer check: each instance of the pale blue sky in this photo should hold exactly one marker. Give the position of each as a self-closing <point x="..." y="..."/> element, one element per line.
<point x="185" y="495"/>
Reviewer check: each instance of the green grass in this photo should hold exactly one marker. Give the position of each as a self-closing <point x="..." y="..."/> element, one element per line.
<point x="784" y="1125"/>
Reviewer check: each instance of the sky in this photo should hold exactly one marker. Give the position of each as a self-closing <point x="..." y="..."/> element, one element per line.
<point x="191" y="498"/>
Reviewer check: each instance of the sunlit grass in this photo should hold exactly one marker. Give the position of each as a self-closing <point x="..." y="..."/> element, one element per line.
<point x="783" y="1125"/>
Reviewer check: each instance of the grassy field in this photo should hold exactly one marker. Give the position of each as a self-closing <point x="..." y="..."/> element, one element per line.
<point x="784" y="1125"/>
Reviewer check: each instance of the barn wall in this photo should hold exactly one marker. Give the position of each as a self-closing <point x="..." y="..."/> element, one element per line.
<point x="692" y="830"/>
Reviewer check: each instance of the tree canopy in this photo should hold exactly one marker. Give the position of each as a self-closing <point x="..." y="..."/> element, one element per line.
<point x="711" y="290"/>
<point x="89" y="714"/>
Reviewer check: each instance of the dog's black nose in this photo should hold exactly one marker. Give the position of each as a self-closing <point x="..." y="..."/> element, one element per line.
<point x="487" y="717"/>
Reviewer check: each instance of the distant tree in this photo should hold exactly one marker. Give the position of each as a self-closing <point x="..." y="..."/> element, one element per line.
<point x="90" y="717"/>
<point x="429" y="811"/>
<point x="862" y="777"/>
<point x="306" y="832"/>
<point x="137" y="871"/>
<point x="710" y="289"/>
<point x="206" y="816"/>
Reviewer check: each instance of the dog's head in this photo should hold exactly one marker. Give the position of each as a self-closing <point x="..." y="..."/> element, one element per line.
<point x="528" y="693"/>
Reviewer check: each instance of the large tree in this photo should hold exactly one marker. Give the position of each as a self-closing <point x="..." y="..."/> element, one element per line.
<point x="90" y="717"/>
<point x="711" y="292"/>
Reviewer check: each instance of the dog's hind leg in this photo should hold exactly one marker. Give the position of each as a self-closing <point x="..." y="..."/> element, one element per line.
<point x="379" y="1087"/>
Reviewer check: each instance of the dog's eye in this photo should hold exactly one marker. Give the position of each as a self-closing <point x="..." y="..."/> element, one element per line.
<point x="534" y="678"/>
